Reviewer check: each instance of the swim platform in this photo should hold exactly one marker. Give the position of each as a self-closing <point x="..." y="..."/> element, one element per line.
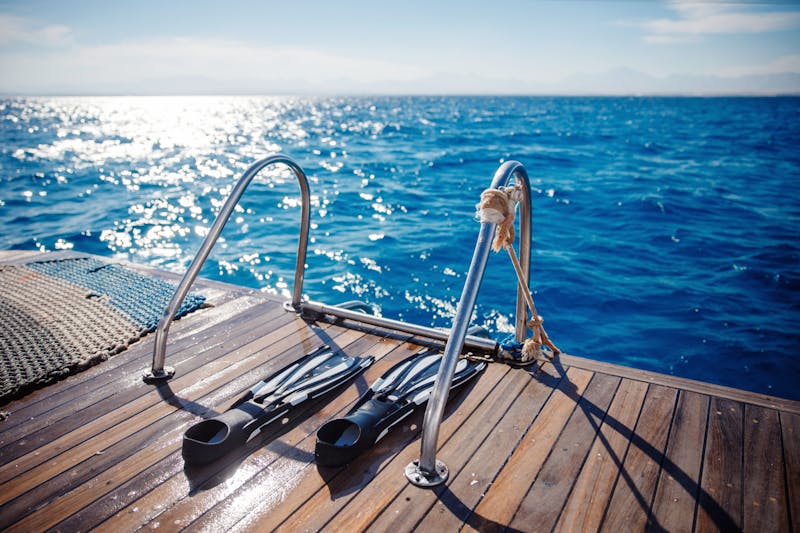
<point x="577" y="444"/>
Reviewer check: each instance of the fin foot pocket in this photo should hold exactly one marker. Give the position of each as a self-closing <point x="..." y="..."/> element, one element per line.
<point x="272" y="399"/>
<point x="389" y="400"/>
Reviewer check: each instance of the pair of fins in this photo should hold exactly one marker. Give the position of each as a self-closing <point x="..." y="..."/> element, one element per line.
<point x="389" y="400"/>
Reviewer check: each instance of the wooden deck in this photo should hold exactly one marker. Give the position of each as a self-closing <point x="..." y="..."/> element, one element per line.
<point x="578" y="445"/>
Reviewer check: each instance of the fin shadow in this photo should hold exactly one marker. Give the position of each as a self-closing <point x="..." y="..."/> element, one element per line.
<point x="206" y="476"/>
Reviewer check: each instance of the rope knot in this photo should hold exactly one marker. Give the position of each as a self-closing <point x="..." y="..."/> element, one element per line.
<point x="497" y="206"/>
<point x="535" y="322"/>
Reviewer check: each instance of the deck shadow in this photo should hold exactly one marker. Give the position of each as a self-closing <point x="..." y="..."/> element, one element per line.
<point x="721" y="518"/>
<point x="703" y="499"/>
<point x="453" y="504"/>
<point x="175" y="400"/>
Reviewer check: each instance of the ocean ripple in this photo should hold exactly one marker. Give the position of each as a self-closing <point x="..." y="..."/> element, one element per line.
<point x="665" y="229"/>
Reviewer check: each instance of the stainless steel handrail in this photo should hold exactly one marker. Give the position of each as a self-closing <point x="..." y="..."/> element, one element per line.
<point x="479" y="344"/>
<point x="427" y="471"/>
<point x="158" y="370"/>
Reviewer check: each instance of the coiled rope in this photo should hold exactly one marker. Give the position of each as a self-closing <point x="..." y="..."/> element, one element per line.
<point x="498" y="206"/>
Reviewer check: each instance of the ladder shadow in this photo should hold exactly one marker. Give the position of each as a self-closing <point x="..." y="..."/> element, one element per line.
<point x="599" y="417"/>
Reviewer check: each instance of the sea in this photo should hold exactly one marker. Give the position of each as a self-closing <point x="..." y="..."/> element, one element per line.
<point x="666" y="230"/>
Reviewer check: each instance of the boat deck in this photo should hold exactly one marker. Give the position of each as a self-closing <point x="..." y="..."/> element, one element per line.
<point x="576" y="445"/>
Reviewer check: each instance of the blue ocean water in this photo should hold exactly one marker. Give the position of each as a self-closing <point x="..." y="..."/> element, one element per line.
<point x="665" y="229"/>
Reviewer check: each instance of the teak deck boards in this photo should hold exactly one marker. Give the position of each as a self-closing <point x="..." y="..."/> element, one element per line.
<point x="576" y="445"/>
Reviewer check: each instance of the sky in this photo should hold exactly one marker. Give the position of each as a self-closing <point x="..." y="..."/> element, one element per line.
<point x="66" y="47"/>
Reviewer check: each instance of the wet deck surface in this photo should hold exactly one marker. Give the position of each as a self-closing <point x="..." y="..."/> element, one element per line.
<point x="576" y="445"/>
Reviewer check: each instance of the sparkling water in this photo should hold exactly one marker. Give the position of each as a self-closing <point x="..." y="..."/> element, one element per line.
<point x="665" y="229"/>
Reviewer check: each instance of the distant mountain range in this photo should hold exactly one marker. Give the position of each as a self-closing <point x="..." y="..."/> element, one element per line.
<point x="629" y="81"/>
<point x="620" y="81"/>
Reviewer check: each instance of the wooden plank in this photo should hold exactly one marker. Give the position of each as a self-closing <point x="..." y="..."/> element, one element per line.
<point x="327" y="498"/>
<point x="679" y="482"/>
<point x="354" y="512"/>
<point x="143" y="397"/>
<point x="187" y="495"/>
<point x="764" y="483"/>
<point x="222" y="372"/>
<point x="630" y="502"/>
<point x="304" y="473"/>
<point x="518" y="397"/>
<point x="129" y="463"/>
<point x="585" y="505"/>
<point x="700" y="387"/>
<point x="747" y="481"/>
<point x="719" y="506"/>
<point x="116" y="447"/>
<point x="790" y="432"/>
<point x="456" y="500"/>
<point x="92" y="398"/>
<point x="502" y="500"/>
<point x="541" y="507"/>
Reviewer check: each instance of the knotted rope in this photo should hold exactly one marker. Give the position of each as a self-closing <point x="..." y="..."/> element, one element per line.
<point x="498" y="206"/>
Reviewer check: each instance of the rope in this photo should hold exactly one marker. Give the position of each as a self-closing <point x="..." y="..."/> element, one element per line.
<point x="498" y="206"/>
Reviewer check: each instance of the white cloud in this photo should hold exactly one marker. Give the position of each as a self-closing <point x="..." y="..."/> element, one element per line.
<point x="222" y="62"/>
<point x="27" y="31"/>
<point x="695" y="20"/>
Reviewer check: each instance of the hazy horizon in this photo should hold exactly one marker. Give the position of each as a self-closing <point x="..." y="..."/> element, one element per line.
<point x="92" y="47"/>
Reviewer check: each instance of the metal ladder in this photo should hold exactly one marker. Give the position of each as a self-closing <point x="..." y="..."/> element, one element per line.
<point x="427" y="471"/>
<point x="158" y="370"/>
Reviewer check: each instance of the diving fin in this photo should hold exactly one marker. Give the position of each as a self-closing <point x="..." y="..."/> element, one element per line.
<point x="271" y="399"/>
<point x="391" y="398"/>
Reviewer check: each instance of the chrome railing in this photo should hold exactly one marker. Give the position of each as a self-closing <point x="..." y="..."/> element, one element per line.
<point x="479" y="344"/>
<point x="158" y="371"/>
<point x="427" y="471"/>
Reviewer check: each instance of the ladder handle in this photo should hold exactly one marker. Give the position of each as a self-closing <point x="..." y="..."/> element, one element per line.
<point x="158" y="370"/>
<point x="455" y="343"/>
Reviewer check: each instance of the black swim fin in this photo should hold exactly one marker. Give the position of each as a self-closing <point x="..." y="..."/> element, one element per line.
<point x="391" y="398"/>
<point x="272" y="399"/>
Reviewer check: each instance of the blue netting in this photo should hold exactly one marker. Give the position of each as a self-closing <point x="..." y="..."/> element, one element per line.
<point x="138" y="297"/>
